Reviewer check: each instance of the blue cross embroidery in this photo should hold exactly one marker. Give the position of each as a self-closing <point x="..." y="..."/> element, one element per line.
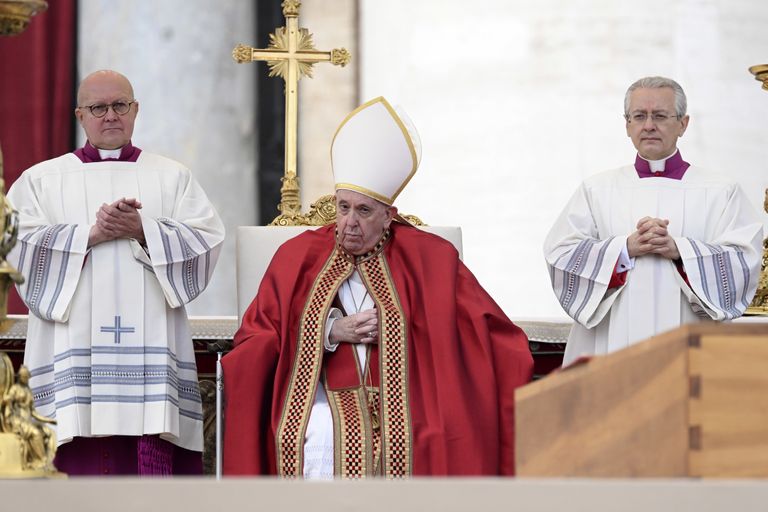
<point x="117" y="329"/>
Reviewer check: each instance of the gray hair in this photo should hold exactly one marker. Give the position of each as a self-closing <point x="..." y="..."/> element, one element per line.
<point x="658" y="82"/>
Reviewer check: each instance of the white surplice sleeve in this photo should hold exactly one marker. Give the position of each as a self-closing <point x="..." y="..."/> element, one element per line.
<point x="581" y="261"/>
<point x="182" y="249"/>
<point x="724" y="269"/>
<point x="49" y="256"/>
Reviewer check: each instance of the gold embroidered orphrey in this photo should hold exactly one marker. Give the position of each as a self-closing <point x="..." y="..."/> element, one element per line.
<point x="759" y="304"/>
<point x="361" y="449"/>
<point x="291" y="55"/>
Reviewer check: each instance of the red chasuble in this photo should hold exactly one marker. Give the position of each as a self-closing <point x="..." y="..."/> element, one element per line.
<point x="438" y="396"/>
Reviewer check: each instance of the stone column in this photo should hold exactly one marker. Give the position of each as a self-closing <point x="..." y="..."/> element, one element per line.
<point x="328" y="97"/>
<point x="197" y="104"/>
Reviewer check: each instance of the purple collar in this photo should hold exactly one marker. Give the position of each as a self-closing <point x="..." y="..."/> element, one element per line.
<point x="674" y="167"/>
<point x="89" y="154"/>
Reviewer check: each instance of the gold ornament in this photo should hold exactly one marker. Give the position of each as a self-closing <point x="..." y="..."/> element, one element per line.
<point x="27" y="442"/>
<point x="16" y="14"/>
<point x="759" y="305"/>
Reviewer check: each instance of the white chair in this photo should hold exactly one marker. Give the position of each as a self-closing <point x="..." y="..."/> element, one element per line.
<point x="257" y="244"/>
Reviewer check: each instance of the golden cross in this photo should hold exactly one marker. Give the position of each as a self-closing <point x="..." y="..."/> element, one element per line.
<point x="290" y="55"/>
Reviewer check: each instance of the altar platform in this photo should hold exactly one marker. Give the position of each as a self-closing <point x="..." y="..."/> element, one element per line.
<point x="445" y="495"/>
<point x="547" y="340"/>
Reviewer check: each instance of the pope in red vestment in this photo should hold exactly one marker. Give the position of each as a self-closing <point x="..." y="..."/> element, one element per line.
<point x="434" y="394"/>
<point x="460" y="361"/>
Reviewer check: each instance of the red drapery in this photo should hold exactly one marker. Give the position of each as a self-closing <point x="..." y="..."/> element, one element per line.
<point x="37" y="94"/>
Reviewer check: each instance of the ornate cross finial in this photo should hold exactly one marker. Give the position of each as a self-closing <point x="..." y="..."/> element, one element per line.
<point x="291" y="54"/>
<point x="291" y="8"/>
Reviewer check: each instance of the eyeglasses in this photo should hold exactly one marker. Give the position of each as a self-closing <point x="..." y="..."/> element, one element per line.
<point x="656" y="117"/>
<point x="118" y="107"/>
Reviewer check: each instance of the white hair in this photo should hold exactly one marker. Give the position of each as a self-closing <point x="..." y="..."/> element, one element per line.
<point x="658" y="82"/>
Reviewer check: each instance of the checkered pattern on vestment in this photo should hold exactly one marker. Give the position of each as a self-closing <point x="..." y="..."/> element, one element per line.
<point x="393" y="348"/>
<point x="307" y="364"/>
<point x="352" y="450"/>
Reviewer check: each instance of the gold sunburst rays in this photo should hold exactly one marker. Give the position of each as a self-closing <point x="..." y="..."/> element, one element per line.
<point x="279" y="41"/>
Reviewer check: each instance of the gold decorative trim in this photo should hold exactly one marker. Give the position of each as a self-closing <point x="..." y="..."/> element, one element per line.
<point x="374" y="403"/>
<point x="15" y="15"/>
<point x="321" y="213"/>
<point x="359" y="259"/>
<point x="27" y="443"/>
<point x="306" y="366"/>
<point x="761" y="74"/>
<point x="242" y="53"/>
<point x="393" y="369"/>
<point x="9" y="230"/>
<point x="291" y="8"/>
<point x="393" y="407"/>
<point x="413" y="220"/>
<point x="279" y="41"/>
<point x="411" y="148"/>
<point x="353" y="436"/>
<point x="289" y="193"/>
<point x="11" y="25"/>
<point x="759" y="305"/>
<point x="340" y="57"/>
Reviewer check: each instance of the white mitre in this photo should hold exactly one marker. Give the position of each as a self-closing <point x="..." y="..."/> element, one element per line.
<point x="375" y="151"/>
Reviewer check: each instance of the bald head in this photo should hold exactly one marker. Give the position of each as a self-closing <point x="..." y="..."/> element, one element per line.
<point x="98" y="79"/>
<point x="113" y="90"/>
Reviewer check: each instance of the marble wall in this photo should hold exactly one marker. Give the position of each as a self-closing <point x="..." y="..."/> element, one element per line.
<point x="197" y="104"/>
<point x="517" y="101"/>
